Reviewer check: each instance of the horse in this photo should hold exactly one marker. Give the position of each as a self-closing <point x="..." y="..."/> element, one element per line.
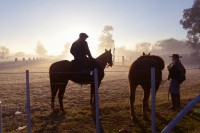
<point x="62" y="71"/>
<point x="140" y="74"/>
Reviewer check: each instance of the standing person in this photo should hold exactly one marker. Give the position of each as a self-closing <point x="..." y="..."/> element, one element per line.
<point x="176" y="77"/>
<point x="80" y="51"/>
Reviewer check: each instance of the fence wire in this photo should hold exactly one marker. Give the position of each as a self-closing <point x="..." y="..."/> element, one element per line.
<point x="114" y="97"/>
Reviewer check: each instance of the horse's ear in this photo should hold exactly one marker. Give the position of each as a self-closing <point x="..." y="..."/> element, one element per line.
<point x="143" y="53"/>
<point x="110" y="50"/>
<point x="106" y="50"/>
<point x="149" y="53"/>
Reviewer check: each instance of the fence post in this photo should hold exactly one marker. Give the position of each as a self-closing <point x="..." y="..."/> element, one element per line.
<point x="28" y="102"/>
<point x="114" y="55"/>
<point x="153" y="101"/>
<point x="123" y="60"/>
<point x="180" y="115"/>
<point x="1" y="124"/>
<point x="97" y="100"/>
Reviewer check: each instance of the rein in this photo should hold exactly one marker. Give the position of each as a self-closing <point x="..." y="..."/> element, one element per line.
<point x="162" y="83"/>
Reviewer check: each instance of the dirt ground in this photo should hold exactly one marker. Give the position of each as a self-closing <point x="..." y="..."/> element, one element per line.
<point x="114" y="101"/>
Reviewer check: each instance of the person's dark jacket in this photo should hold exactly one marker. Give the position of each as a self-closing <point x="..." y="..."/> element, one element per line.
<point x="80" y="50"/>
<point x="176" y="70"/>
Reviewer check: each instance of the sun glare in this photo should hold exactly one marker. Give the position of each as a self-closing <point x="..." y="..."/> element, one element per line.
<point x="70" y="33"/>
<point x="92" y="40"/>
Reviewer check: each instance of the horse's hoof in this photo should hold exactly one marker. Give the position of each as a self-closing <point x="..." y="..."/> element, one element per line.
<point x="133" y="118"/>
<point x="63" y="111"/>
<point x="56" y="110"/>
<point x="145" y="117"/>
<point x="52" y="105"/>
<point x="148" y="109"/>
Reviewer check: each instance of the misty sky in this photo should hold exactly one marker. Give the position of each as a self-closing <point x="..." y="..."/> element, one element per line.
<point x="54" y="22"/>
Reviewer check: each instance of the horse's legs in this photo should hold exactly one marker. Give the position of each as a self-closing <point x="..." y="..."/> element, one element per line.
<point x="92" y="97"/>
<point x="54" y="90"/>
<point x="132" y="97"/>
<point x="145" y="101"/>
<point x="60" y="96"/>
<point x="92" y="94"/>
<point x="92" y="102"/>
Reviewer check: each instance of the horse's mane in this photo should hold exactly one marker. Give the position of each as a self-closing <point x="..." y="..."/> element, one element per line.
<point x="154" y="57"/>
<point x="102" y="56"/>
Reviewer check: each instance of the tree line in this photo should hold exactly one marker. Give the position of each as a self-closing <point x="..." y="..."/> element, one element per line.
<point x="190" y="21"/>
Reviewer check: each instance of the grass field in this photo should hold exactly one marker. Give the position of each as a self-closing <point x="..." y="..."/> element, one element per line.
<point x="114" y="102"/>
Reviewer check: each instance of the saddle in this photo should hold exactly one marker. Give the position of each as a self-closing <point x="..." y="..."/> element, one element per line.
<point x="83" y="66"/>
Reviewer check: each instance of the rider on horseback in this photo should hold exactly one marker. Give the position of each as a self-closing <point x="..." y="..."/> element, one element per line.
<point x="81" y="52"/>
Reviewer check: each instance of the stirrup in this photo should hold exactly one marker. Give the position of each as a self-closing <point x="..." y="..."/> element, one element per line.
<point x="91" y="72"/>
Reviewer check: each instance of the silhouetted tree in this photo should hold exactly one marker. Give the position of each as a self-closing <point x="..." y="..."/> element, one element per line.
<point x="191" y="22"/>
<point x="143" y="47"/>
<point x="66" y="51"/>
<point x="170" y="46"/>
<point x="40" y="49"/>
<point x="20" y="54"/>
<point x="4" y="52"/>
<point x="106" y="40"/>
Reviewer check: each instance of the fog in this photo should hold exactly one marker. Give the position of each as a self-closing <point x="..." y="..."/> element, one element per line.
<point x="163" y="48"/>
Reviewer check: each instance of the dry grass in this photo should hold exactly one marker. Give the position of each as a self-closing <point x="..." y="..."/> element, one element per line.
<point x="114" y="102"/>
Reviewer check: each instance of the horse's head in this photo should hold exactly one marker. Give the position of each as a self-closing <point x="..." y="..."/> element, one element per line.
<point x="108" y="56"/>
<point x="105" y="59"/>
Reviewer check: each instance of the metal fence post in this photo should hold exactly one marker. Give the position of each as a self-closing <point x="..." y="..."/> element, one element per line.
<point x="153" y="96"/>
<point x="28" y="102"/>
<point x="97" y="100"/>
<point x="181" y="114"/>
<point x="1" y="125"/>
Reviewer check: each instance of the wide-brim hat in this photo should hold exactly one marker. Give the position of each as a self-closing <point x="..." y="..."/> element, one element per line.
<point x="175" y="56"/>
<point x="83" y="35"/>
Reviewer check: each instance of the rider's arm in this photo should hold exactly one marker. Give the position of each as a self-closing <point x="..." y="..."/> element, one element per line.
<point x="88" y="51"/>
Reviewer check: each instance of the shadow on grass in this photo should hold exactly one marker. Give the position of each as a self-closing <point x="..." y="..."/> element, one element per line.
<point x="94" y="119"/>
<point x="54" y="119"/>
<point x="167" y="115"/>
<point x="195" y="116"/>
<point x="140" y="123"/>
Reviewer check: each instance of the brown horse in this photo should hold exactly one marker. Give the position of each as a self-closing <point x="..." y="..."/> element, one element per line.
<point x="62" y="71"/>
<point x="140" y="74"/>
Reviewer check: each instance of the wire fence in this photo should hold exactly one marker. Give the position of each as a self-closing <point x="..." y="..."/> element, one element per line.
<point x="12" y="96"/>
<point x="13" y="86"/>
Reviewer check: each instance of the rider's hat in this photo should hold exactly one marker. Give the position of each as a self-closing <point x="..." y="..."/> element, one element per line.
<point x="83" y="35"/>
<point x="175" y="56"/>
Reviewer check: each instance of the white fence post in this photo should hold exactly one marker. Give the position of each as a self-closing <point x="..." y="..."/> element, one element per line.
<point x="97" y="100"/>
<point x="28" y="102"/>
<point x="180" y="115"/>
<point x="1" y="124"/>
<point x="153" y="101"/>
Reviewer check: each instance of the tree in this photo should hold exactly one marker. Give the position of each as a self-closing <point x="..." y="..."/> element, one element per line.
<point x="170" y="46"/>
<point x="40" y="49"/>
<point x="66" y="51"/>
<point x="143" y="47"/>
<point x="105" y="39"/>
<point x="191" y="22"/>
<point x="4" y="52"/>
<point x="20" y="54"/>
